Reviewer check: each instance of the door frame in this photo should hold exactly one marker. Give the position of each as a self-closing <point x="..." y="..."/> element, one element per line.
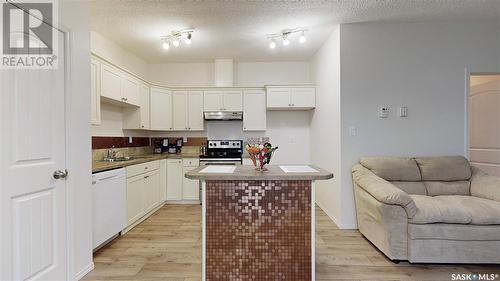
<point x="468" y="74"/>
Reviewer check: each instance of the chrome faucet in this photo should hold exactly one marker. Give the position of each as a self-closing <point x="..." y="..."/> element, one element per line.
<point x="111" y="153"/>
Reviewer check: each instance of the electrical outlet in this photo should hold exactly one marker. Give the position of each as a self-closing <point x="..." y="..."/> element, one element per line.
<point x="353" y="131"/>
<point x="130" y="140"/>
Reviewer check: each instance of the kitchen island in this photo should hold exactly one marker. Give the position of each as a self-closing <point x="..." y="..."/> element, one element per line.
<point x="258" y="225"/>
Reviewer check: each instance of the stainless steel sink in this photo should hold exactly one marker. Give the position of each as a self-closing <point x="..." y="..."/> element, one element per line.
<point x="120" y="159"/>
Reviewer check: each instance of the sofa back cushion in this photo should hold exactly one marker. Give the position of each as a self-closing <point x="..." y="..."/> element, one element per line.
<point x="435" y="188"/>
<point x="411" y="187"/>
<point x="444" y="168"/>
<point x="393" y="168"/>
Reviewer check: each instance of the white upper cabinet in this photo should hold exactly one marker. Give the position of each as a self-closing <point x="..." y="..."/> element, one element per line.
<point x="161" y="109"/>
<point x="138" y="117"/>
<point x="227" y="100"/>
<point x="195" y="111"/>
<point x="111" y="83"/>
<point x="212" y="101"/>
<point x="232" y="101"/>
<point x="179" y="108"/>
<point x="291" y="98"/>
<point x="130" y="90"/>
<point x="95" y="91"/>
<point x="254" y="110"/>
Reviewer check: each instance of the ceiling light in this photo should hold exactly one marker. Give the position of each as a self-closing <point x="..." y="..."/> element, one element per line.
<point x="187" y="40"/>
<point x="286" y="41"/>
<point x="165" y="45"/>
<point x="302" y="38"/>
<point x="175" y="42"/>
<point x="272" y="44"/>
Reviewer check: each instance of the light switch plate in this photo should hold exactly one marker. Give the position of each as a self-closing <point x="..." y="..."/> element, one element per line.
<point x="353" y="131"/>
<point x="403" y="111"/>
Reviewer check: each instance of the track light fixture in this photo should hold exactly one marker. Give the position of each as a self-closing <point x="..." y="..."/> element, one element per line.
<point x="285" y="36"/>
<point x="176" y="37"/>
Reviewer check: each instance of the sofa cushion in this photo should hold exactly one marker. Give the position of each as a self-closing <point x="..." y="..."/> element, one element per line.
<point x="435" y="188"/>
<point x="482" y="211"/>
<point x="392" y="168"/>
<point x="438" y="210"/>
<point x="450" y="231"/>
<point x="444" y="168"/>
<point x="411" y="187"/>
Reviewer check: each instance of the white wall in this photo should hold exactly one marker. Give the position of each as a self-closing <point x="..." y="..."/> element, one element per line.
<point x="257" y="74"/>
<point x="325" y="126"/>
<point x="420" y="65"/>
<point x="75" y="15"/>
<point x="181" y="74"/>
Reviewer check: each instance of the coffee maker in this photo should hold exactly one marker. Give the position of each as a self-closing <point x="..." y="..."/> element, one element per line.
<point x="178" y="145"/>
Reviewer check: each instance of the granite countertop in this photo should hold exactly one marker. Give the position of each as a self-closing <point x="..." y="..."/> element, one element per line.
<point x="247" y="172"/>
<point x="99" y="166"/>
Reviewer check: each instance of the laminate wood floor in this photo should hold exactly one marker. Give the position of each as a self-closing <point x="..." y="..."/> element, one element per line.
<point x="167" y="246"/>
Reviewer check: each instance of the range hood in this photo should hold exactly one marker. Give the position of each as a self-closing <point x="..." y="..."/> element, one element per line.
<point x="223" y="115"/>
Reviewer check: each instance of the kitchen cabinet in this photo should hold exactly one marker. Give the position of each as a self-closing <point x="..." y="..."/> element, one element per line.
<point x="119" y="87"/>
<point x="291" y="98"/>
<point x="95" y="91"/>
<point x="163" y="180"/>
<point x="227" y="100"/>
<point x="174" y="179"/>
<point x="138" y="118"/>
<point x="161" y="109"/>
<point x="187" y="109"/>
<point x="143" y="190"/>
<point x="254" y="110"/>
<point x="190" y="188"/>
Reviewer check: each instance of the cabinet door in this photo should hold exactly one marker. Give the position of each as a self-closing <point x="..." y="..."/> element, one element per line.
<point x="130" y="90"/>
<point x="161" y="110"/>
<point x="179" y="107"/>
<point x="163" y="180"/>
<point x="233" y="101"/>
<point x="145" y="107"/>
<point x="254" y="110"/>
<point x="195" y="111"/>
<point x="174" y="179"/>
<point x="303" y="97"/>
<point x="151" y="190"/>
<point x="111" y="83"/>
<point x="190" y="188"/>
<point x="95" y="92"/>
<point x="212" y="101"/>
<point x="135" y="195"/>
<point x="278" y="97"/>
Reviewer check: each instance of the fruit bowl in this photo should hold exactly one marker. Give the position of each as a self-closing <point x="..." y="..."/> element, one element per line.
<point x="260" y="154"/>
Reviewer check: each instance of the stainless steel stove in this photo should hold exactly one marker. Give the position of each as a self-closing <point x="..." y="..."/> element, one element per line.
<point x="223" y="152"/>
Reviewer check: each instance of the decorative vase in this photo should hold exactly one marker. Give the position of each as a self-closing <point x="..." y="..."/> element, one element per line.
<point x="260" y="154"/>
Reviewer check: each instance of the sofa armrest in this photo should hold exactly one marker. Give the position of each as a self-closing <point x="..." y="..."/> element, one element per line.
<point x="382" y="190"/>
<point x="484" y="186"/>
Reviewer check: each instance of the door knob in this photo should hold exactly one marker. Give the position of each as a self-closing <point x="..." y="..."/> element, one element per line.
<point x="58" y="174"/>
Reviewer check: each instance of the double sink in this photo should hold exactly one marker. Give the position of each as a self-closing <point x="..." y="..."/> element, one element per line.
<point x="123" y="159"/>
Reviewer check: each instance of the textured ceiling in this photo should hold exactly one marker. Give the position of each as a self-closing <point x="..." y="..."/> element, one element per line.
<point x="237" y="29"/>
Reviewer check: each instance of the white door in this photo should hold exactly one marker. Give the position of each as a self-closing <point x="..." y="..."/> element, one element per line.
<point x="179" y="107"/>
<point x="195" y="111"/>
<point x="484" y="116"/>
<point x="174" y="179"/>
<point x="95" y="92"/>
<point x="212" y="101"/>
<point x="32" y="201"/>
<point x="190" y="188"/>
<point x="254" y="110"/>
<point x="303" y="97"/>
<point x="278" y="97"/>
<point x="233" y="101"/>
<point x="161" y="110"/>
<point x="111" y="83"/>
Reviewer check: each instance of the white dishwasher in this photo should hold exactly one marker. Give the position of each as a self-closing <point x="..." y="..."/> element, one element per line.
<point x="109" y="205"/>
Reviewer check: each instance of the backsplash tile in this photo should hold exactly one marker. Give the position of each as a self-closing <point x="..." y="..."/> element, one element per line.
<point x="109" y="142"/>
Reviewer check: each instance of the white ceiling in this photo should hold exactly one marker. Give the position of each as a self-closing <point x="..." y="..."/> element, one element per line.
<point x="237" y="29"/>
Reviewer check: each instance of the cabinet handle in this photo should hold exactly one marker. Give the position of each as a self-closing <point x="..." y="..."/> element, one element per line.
<point x="293" y="104"/>
<point x="146" y="177"/>
<point x="145" y="168"/>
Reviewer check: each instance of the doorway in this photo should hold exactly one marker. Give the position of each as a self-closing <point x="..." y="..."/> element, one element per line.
<point x="484" y="122"/>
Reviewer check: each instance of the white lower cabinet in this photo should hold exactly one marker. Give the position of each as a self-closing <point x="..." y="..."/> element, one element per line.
<point x="163" y="180"/>
<point x="143" y="190"/>
<point x="190" y="188"/>
<point x="174" y="179"/>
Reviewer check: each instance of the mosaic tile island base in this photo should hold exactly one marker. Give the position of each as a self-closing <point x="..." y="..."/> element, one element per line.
<point x="258" y="225"/>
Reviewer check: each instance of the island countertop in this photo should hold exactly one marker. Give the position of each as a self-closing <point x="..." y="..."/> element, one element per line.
<point x="248" y="172"/>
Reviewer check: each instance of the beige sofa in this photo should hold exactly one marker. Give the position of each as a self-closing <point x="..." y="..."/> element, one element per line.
<point x="428" y="209"/>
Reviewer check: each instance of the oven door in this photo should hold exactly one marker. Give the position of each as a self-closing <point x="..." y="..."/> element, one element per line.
<point x="220" y="161"/>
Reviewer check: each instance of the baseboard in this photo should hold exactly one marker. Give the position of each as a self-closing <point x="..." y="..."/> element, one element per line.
<point x="183" y="202"/>
<point x="337" y="221"/>
<point x="84" y="271"/>
<point x="143" y="218"/>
